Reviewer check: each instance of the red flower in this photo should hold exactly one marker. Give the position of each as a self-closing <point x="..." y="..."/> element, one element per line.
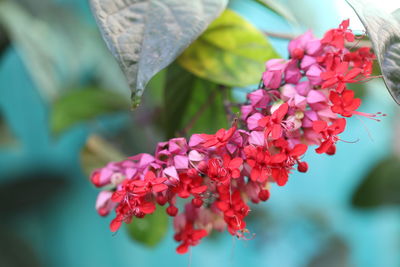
<point x="258" y="158"/>
<point x="336" y="37"/>
<point x="329" y="134"/>
<point x="234" y="209"/>
<point x="129" y="207"/>
<point x="344" y="104"/>
<point x="219" y="139"/>
<point x="285" y="160"/>
<point x="273" y="123"/>
<point x="150" y="184"/>
<point x="189" y="237"/>
<point x="330" y="60"/>
<point x="338" y="77"/>
<point x="361" y="58"/>
<point x="223" y="171"/>
<point x="189" y="185"/>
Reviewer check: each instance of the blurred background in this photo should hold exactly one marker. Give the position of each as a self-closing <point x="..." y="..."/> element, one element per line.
<point x="64" y="110"/>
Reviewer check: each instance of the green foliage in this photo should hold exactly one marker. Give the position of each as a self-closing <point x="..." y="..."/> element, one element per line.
<point x="384" y="31"/>
<point x="58" y="48"/>
<point x="7" y="138"/>
<point x="381" y="186"/>
<point x="151" y="229"/>
<point x="335" y="253"/>
<point x="177" y="94"/>
<point x="230" y="52"/>
<point x="146" y="38"/>
<point x="28" y="188"/>
<point x="37" y="57"/>
<point x="97" y="153"/>
<point x="11" y="245"/>
<point x="360" y="89"/>
<point x="191" y="104"/>
<point x="84" y="104"/>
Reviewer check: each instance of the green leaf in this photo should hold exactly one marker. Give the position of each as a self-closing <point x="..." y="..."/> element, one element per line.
<point x="82" y="105"/>
<point x="191" y="104"/>
<point x="384" y="31"/>
<point x="146" y="36"/>
<point x="231" y="52"/>
<point x="360" y="89"/>
<point x="151" y="229"/>
<point x="335" y="253"/>
<point x="11" y="245"/>
<point x="97" y="153"/>
<point x="381" y="186"/>
<point x="27" y="188"/>
<point x="7" y="137"/>
<point x="206" y="113"/>
<point x="177" y="95"/>
<point x="58" y="48"/>
<point x="28" y="41"/>
<point x="279" y="9"/>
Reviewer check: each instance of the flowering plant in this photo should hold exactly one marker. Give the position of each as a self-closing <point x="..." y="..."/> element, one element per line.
<point x="301" y="102"/>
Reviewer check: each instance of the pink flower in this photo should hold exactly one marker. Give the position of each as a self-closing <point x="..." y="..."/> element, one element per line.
<point x="273" y="123"/>
<point x="292" y="72"/>
<point x="259" y="98"/>
<point x="305" y="44"/>
<point x="337" y="37"/>
<point x="218" y="174"/>
<point x="104" y="204"/>
<point x="272" y="77"/>
<point x="252" y="121"/>
<point x="314" y="75"/>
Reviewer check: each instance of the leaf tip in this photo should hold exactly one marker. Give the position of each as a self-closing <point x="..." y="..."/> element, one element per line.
<point x="136" y="100"/>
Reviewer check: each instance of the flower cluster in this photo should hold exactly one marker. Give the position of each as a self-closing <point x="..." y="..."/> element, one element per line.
<point x="302" y="101"/>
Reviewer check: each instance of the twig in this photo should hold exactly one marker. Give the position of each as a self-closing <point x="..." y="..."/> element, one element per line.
<point x="286" y="36"/>
<point x="230" y="116"/>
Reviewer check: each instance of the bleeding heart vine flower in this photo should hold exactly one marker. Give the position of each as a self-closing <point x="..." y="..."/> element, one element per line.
<point x="301" y="102"/>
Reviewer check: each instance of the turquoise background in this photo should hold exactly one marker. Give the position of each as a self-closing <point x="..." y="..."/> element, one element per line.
<point x="301" y="217"/>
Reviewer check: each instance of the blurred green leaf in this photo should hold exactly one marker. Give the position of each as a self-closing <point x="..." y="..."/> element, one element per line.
<point x="97" y="153"/>
<point x="336" y="253"/>
<point x="7" y="138"/>
<point x="381" y="186"/>
<point x="191" y="104"/>
<point x="206" y="113"/>
<point x="376" y="69"/>
<point x="39" y="58"/>
<point x="11" y="246"/>
<point x="59" y="48"/>
<point x="360" y="89"/>
<point x="28" y="188"/>
<point x="231" y="52"/>
<point x="177" y="95"/>
<point x="84" y="104"/>
<point x="279" y="8"/>
<point x="146" y="36"/>
<point x="151" y="229"/>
